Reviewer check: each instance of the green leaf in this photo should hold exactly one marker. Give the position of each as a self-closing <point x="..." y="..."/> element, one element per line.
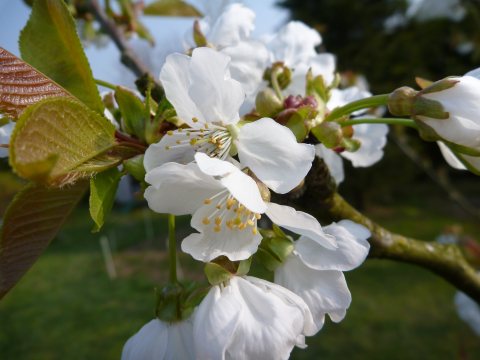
<point x="22" y="85"/>
<point x="133" y="112"/>
<point x="32" y="220"/>
<point x="103" y="188"/>
<point x="171" y="8"/>
<point x="60" y="140"/>
<point x="49" y="42"/>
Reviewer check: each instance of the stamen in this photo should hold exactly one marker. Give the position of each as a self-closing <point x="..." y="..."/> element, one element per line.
<point x="205" y="221"/>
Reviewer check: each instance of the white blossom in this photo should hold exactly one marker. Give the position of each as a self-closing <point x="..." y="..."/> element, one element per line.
<point x="226" y="204"/>
<point x="462" y="103"/>
<point x="208" y="99"/>
<point x="158" y="340"/>
<point x="250" y="318"/>
<point x="315" y="273"/>
<point x="469" y="311"/>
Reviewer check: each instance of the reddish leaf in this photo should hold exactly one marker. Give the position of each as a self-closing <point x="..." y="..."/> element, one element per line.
<point x="32" y="220"/>
<point x="22" y="85"/>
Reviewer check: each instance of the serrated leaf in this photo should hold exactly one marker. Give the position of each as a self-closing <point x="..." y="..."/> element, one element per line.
<point x="60" y="140"/>
<point x="133" y="112"/>
<point x="171" y="8"/>
<point x="22" y="85"/>
<point x="49" y="42"/>
<point x="103" y="187"/>
<point x="32" y="220"/>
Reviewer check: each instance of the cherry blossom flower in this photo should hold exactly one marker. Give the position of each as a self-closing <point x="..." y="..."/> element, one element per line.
<point x="316" y="273"/>
<point x="250" y="318"/>
<point x="294" y="45"/>
<point x="158" y="340"/>
<point x="207" y="99"/>
<point x="226" y="204"/>
<point x="230" y="33"/>
<point x="461" y="103"/>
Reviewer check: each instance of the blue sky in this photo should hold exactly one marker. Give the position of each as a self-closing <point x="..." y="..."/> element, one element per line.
<point x="168" y="33"/>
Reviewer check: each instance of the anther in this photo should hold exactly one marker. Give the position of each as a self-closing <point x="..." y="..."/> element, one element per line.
<point x="205" y="221"/>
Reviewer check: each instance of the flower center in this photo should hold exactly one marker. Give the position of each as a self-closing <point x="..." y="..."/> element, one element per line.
<point x="213" y="140"/>
<point x="229" y="213"/>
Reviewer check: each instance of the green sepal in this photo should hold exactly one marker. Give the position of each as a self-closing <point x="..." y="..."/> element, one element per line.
<point x="244" y="267"/>
<point x="298" y="121"/>
<point x="135" y="167"/>
<point x="216" y="274"/>
<point x="103" y="188"/>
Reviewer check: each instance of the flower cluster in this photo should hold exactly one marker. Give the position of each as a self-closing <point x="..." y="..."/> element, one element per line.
<point x="244" y="110"/>
<point x="220" y="165"/>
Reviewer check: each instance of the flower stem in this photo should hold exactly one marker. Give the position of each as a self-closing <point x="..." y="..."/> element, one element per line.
<point x="391" y="121"/>
<point x="172" y="249"/>
<point x="372" y="101"/>
<point x="276" y="85"/>
<point x="105" y="84"/>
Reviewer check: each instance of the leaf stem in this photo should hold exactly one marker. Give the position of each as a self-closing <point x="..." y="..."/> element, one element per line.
<point x="372" y="101"/>
<point x="390" y="121"/>
<point x="172" y="249"/>
<point x="105" y="84"/>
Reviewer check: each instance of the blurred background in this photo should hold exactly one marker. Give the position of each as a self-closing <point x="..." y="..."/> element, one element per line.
<point x="90" y="292"/>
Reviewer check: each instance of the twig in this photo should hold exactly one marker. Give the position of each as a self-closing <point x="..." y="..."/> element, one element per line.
<point x="128" y="56"/>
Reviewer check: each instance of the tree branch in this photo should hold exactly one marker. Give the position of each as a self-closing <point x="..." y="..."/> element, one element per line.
<point x="446" y="261"/>
<point x="128" y="56"/>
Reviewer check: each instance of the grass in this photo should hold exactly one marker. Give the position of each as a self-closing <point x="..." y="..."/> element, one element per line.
<point x="67" y="307"/>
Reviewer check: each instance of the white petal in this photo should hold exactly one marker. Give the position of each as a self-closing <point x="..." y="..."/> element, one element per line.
<point x="234" y="25"/>
<point x="333" y="161"/>
<point x="167" y="150"/>
<point x="461" y="102"/>
<point x="468" y="310"/>
<point x="215" y="322"/>
<point x="341" y="97"/>
<point x="323" y="64"/>
<point x="450" y="157"/>
<point x="471" y="161"/>
<point x="175" y="79"/>
<point x="248" y="319"/>
<point x="325" y="292"/>
<point x="158" y="340"/>
<point x="474" y="73"/>
<point x="352" y="248"/>
<point x="241" y="186"/>
<point x="214" y="92"/>
<point x="373" y="138"/>
<point x="249" y="60"/>
<point x="300" y="223"/>
<point x="179" y="189"/>
<point x="233" y="243"/>
<point x="272" y="152"/>
<point x="294" y="44"/>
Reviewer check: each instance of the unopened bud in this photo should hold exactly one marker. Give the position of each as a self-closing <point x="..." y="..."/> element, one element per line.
<point x="401" y="100"/>
<point x="329" y="133"/>
<point x="267" y="103"/>
<point x="280" y="72"/>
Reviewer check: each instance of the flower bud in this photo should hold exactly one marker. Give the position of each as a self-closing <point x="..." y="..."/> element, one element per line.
<point x="267" y="103"/>
<point x="329" y="133"/>
<point x="280" y="72"/>
<point x="198" y="35"/>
